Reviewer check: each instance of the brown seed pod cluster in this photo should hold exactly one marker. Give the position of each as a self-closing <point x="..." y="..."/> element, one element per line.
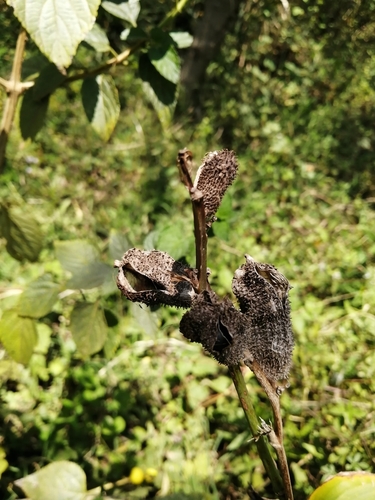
<point x="214" y="176"/>
<point x="153" y="277"/>
<point x="262" y="292"/>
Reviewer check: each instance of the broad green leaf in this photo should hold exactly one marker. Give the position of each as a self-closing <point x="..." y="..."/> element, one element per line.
<point x="82" y="260"/>
<point x="164" y="57"/>
<point x="118" y="245"/>
<point x="98" y="39"/>
<point x="48" y="80"/>
<point x="347" y="486"/>
<point x="145" y="318"/>
<point x="56" y="27"/>
<point x="127" y="10"/>
<point x="22" y="232"/>
<point x="61" y="480"/>
<point x="101" y="104"/>
<point x="182" y="39"/>
<point x="38" y="297"/>
<point x="88" y="327"/>
<point x="160" y="92"/>
<point x="32" y="114"/>
<point x="18" y="335"/>
<point x="175" y="240"/>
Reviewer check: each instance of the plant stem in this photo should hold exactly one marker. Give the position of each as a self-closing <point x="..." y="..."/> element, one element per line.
<point x="252" y="419"/>
<point x="184" y="159"/>
<point x="275" y="436"/>
<point x="14" y="91"/>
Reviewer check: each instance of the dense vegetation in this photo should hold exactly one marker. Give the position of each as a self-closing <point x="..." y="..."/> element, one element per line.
<point x="150" y="413"/>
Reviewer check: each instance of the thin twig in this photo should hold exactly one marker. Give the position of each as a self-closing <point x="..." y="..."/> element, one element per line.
<point x="276" y="435"/>
<point x="14" y="92"/>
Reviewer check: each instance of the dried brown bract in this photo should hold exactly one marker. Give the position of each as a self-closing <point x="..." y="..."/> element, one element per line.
<point x="214" y="176"/>
<point x="262" y="292"/>
<point x="153" y="277"/>
<point x="218" y="326"/>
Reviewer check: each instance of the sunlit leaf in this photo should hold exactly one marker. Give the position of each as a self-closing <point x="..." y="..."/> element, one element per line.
<point x="182" y="39"/>
<point x="88" y="327"/>
<point x="18" y="335"/>
<point x="82" y="260"/>
<point x="22" y="232"/>
<point x="65" y="479"/>
<point x="56" y="27"/>
<point x="347" y="486"/>
<point x="98" y="39"/>
<point x="118" y="245"/>
<point x="101" y="104"/>
<point x="160" y="92"/>
<point x="32" y="114"/>
<point x="164" y="57"/>
<point x="127" y="10"/>
<point x="48" y="80"/>
<point x="38" y="297"/>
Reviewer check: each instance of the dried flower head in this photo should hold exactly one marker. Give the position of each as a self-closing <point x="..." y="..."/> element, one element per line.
<point x="153" y="277"/>
<point x="262" y="292"/>
<point x="214" y="176"/>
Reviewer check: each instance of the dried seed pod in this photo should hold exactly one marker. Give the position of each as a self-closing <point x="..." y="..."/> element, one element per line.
<point x="214" y="176"/>
<point x="262" y="293"/>
<point x="153" y="277"/>
<point x="218" y="326"/>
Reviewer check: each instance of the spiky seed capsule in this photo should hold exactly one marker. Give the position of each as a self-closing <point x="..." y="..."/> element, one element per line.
<point x="214" y="176"/>
<point x="153" y="277"/>
<point x="262" y="292"/>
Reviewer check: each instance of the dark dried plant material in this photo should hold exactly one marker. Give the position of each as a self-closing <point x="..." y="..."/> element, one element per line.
<point x="218" y="326"/>
<point x="262" y="292"/>
<point x="153" y="277"/>
<point x="214" y="176"/>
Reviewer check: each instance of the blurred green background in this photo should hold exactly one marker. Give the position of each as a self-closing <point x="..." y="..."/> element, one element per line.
<point x="293" y="95"/>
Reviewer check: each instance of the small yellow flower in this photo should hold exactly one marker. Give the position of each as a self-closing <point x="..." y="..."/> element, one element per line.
<point x="150" y="474"/>
<point x="137" y="476"/>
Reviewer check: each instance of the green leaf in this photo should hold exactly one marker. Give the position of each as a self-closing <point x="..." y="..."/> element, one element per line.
<point x="128" y="11"/>
<point x="118" y="245"/>
<point x="38" y="297"/>
<point x="160" y="92"/>
<point x="145" y="318"/>
<point x="88" y="327"/>
<point x="98" y="39"/>
<point x="65" y="479"/>
<point x="101" y="104"/>
<point x="22" y="232"/>
<point x="346" y="486"/>
<point x="56" y="27"/>
<point x="32" y="114"/>
<point x="48" y="80"/>
<point x="182" y="39"/>
<point x="18" y="335"/>
<point x="175" y="240"/>
<point x="82" y="260"/>
<point x="163" y="56"/>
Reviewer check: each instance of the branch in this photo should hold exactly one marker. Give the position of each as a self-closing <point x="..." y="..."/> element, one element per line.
<point x="14" y="91"/>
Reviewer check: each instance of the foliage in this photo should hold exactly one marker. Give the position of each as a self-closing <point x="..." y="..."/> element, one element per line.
<point x="297" y="108"/>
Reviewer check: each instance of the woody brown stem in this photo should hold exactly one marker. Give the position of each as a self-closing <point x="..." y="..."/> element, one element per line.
<point x="184" y="160"/>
